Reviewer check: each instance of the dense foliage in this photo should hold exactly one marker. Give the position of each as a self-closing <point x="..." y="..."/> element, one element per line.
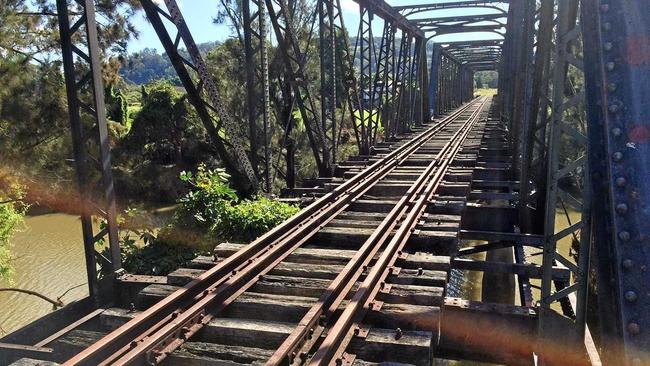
<point x="12" y="212"/>
<point x="486" y="79"/>
<point x="147" y="65"/>
<point x="209" y="213"/>
<point x="213" y="206"/>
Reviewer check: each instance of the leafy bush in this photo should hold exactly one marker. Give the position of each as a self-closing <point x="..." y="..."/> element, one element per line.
<point x="209" y="213"/>
<point x="213" y="207"/>
<point x="12" y="213"/>
<point x="252" y="218"/>
<point x="142" y="252"/>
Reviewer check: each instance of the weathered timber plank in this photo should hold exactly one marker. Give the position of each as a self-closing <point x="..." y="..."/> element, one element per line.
<point x="413" y="294"/>
<point x="357" y="224"/>
<point x="33" y="362"/>
<point x="301" y="255"/>
<point x="210" y="354"/>
<point x="338" y="256"/>
<point x="425" y="261"/>
<point x="439" y="226"/>
<point x="369" y="205"/>
<point x="189" y="354"/>
<point x="445" y="207"/>
<point x="182" y="276"/>
<point x="269" y="307"/>
<point x="385" y="345"/>
<point x="227" y="331"/>
<point x="74" y="342"/>
<point x="420" y="277"/>
<point x="405" y="317"/>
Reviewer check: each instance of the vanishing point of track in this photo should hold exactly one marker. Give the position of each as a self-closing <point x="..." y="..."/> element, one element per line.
<point x="338" y="313"/>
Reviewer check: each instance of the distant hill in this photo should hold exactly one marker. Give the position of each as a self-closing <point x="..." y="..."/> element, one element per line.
<point x="145" y="66"/>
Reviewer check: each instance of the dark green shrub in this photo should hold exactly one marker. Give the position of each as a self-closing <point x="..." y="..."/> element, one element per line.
<point x="250" y="219"/>
<point x="209" y="213"/>
<point x="213" y="206"/>
<point x="12" y="213"/>
<point x="117" y="107"/>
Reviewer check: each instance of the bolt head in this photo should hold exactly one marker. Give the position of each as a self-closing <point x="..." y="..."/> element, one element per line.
<point x="610" y="66"/>
<point x="616" y="132"/>
<point x="607" y="26"/>
<point x="633" y="328"/>
<point x="613" y="107"/>
<point x="611" y="87"/>
<point x="624" y="235"/>
<point x="604" y="7"/>
<point x="621" y="208"/>
<point x="627" y="263"/>
<point x="617" y="156"/>
<point x="631" y="296"/>
<point x="620" y="181"/>
<point x="608" y="46"/>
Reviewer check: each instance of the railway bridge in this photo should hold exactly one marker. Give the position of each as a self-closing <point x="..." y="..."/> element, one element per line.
<point x="444" y="184"/>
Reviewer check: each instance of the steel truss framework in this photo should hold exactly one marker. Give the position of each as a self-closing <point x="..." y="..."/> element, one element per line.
<point x="397" y="84"/>
<point x="553" y="48"/>
<point x="85" y="94"/>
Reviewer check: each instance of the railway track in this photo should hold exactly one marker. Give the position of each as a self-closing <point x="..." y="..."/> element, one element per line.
<point x="357" y="276"/>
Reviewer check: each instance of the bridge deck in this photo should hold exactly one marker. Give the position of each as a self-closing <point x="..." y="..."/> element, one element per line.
<point x="370" y="278"/>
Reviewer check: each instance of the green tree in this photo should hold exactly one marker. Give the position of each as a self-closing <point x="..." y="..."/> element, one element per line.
<point x="161" y="130"/>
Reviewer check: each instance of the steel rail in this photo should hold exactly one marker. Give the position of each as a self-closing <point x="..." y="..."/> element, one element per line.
<point x="339" y="335"/>
<point x="160" y="344"/>
<point x="157" y="346"/>
<point x="133" y="333"/>
<point x="303" y="337"/>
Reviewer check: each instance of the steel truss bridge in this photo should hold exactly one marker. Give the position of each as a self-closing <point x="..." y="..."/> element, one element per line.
<point x="447" y="183"/>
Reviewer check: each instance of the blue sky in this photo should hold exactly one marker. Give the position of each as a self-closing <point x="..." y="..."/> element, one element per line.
<point x="199" y="14"/>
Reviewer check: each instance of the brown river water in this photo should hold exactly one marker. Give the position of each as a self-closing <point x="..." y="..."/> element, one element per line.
<point x="49" y="259"/>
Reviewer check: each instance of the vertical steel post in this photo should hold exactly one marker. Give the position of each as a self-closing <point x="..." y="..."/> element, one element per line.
<point x="561" y="167"/>
<point x="327" y="52"/>
<point x="281" y="18"/>
<point x="85" y="93"/>
<point x="366" y="58"/>
<point x="434" y="81"/>
<point x="257" y="83"/>
<point x="617" y="68"/>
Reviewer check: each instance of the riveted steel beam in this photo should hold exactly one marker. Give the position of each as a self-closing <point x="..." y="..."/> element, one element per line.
<point x="420" y="8"/>
<point x="389" y="13"/>
<point x="617" y="68"/>
<point x="82" y="71"/>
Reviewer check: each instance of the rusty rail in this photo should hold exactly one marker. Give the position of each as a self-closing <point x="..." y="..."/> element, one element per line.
<point x="340" y="334"/>
<point x="157" y="331"/>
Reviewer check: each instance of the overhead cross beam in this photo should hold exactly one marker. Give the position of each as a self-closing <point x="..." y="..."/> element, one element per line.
<point x="464" y="19"/>
<point x="420" y="8"/>
<point x="391" y="14"/>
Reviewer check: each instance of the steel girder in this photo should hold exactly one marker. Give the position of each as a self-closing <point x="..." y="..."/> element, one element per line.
<point x="254" y="21"/>
<point x="458" y="20"/>
<point x="560" y="167"/>
<point x="612" y="195"/>
<point x="204" y="95"/>
<point x="617" y="68"/>
<point x="391" y="14"/>
<point x="537" y="139"/>
<point x="85" y="93"/>
<point x="327" y="12"/>
<point x="294" y="56"/>
<point x="348" y="80"/>
<point x="421" y="8"/>
<point x="366" y="52"/>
